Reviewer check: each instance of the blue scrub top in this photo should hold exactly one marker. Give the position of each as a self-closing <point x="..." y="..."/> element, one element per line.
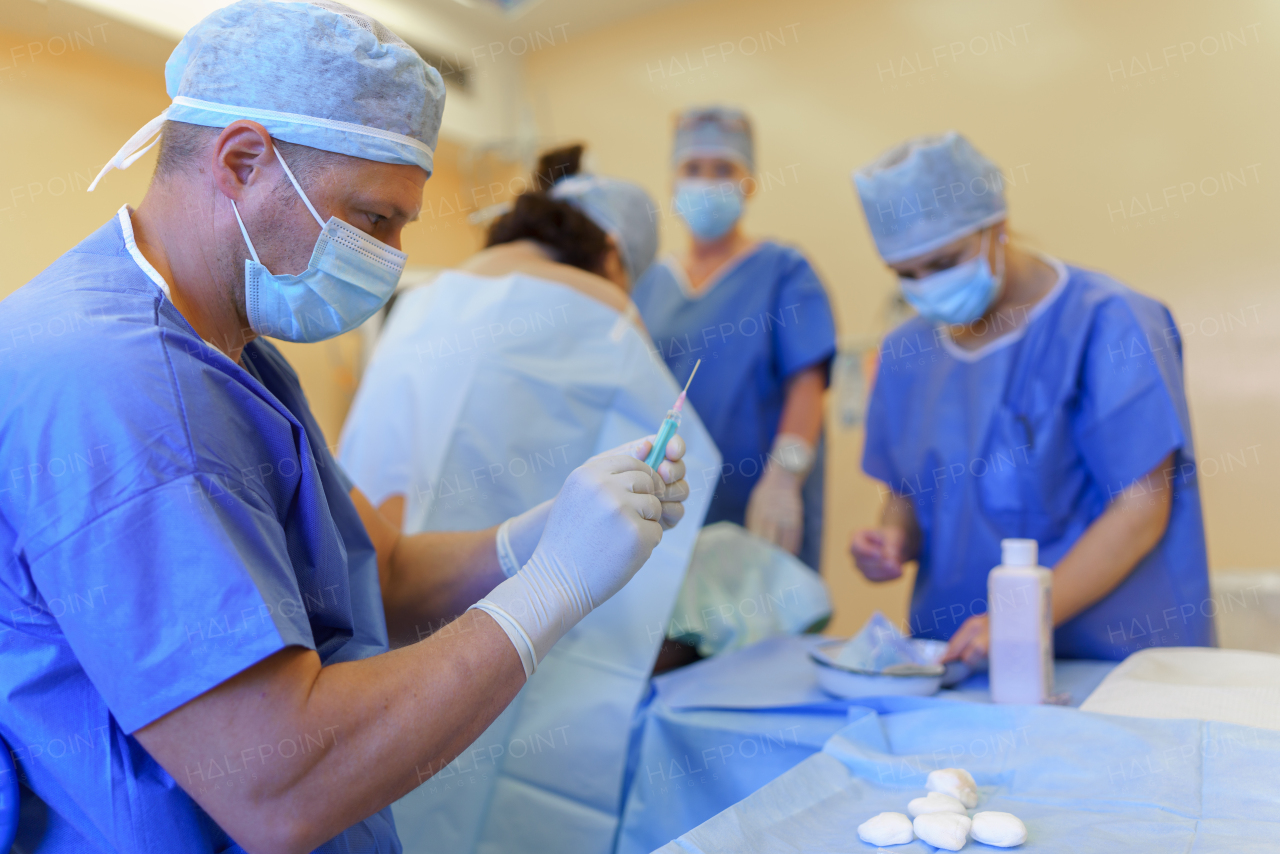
<point x="765" y="318"/>
<point x="1032" y="436"/>
<point x="168" y="518"/>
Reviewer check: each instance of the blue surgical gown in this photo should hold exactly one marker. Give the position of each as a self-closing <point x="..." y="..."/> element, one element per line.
<point x="167" y="519"/>
<point x="1032" y="436"/>
<point x="762" y="320"/>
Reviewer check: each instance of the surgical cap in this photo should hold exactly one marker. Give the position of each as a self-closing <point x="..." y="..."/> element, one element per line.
<point x="623" y="210"/>
<point x="312" y="73"/>
<point x="928" y="192"/>
<point x="714" y="132"/>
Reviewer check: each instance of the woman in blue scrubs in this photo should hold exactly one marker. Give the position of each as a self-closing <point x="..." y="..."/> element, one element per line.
<point x="757" y="316"/>
<point x="1029" y="398"/>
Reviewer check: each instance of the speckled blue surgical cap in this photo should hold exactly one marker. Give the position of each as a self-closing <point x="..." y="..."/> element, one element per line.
<point x="317" y="74"/>
<point x="928" y="192"/>
<point x="714" y="132"/>
<point x="623" y="210"/>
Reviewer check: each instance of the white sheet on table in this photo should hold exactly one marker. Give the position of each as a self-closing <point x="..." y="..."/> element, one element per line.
<point x="1229" y="685"/>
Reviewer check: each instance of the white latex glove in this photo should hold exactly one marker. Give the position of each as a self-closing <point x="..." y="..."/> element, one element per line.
<point x="601" y="529"/>
<point x="671" y="470"/>
<point x="775" y="510"/>
<point x="519" y="535"/>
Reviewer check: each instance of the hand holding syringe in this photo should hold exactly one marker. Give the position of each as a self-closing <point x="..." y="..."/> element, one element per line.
<point x="669" y="426"/>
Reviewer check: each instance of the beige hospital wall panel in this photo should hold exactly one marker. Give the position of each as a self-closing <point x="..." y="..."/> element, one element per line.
<point x="67" y="106"/>
<point x="1137" y="138"/>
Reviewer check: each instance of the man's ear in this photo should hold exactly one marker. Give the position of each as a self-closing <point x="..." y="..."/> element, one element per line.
<point x="240" y="156"/>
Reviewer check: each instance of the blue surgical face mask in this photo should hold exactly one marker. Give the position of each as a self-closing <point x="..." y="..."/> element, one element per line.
<point x="960" y="294"/>
<point x="710" y="208"/>
<point x="349" y="277"/>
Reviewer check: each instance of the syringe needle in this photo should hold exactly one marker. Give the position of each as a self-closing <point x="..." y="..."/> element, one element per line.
<point x="690" y="382"/>
<point x="680" y="400"/>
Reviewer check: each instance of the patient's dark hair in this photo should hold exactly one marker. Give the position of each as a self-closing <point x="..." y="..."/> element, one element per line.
<point x="567" y="233"/>
<point x="556" y="165"/>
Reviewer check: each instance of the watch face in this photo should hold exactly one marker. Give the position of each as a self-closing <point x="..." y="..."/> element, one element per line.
<point x="792" y="454"/>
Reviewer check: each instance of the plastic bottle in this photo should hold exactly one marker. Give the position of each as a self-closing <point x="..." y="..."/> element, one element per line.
<point x="1019" y="602"/>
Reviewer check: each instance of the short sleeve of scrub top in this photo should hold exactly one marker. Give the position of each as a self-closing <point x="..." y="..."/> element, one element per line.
<point x="877" y="455"/>
<point x="1128" y="420"/>
<point x="156" y="514"/>
<point x="810" y="339"/>
<point x="182" y="632"/>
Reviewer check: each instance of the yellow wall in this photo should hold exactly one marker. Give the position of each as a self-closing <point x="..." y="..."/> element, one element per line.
<point x="1054" y="92"/>
<point x="63" y="116"/>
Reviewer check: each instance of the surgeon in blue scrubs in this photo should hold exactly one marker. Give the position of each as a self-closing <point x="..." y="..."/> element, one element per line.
<point x="756" y="314"/>
<point x="197" y="608"/>
<point x="1029" y="398"/>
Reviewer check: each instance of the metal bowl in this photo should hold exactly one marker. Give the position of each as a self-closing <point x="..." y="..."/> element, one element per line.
<point x="914" y="680"/>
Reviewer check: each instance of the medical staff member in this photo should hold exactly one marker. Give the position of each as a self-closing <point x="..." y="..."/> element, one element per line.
<point x="195" y="605"/>
<point x="1029" y="398"/>
<point x="756" y="314"/>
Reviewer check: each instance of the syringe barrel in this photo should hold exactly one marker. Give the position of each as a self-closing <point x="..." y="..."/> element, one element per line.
<point x="665" y="432"/>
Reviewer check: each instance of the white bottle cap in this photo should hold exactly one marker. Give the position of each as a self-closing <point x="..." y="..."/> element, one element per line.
<point x="1019" y="552"/>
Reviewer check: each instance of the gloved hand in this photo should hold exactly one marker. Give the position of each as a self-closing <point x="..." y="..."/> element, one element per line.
<point x="671" y="470"/>
<point x="601" y="529"/>
<point x="519" y="535"/>
<point x="775" y="510"/>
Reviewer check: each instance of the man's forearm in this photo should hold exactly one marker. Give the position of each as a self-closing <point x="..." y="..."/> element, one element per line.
<point x="435" y="576"/>
<point x="427" y="579"/>
<point x="319" y="749"/>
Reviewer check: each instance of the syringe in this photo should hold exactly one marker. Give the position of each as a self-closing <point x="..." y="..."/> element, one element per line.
<point x="669" y="425"/>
